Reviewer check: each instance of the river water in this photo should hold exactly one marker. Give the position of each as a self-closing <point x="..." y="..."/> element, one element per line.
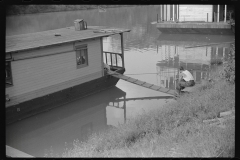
<point x="149" y="56"/>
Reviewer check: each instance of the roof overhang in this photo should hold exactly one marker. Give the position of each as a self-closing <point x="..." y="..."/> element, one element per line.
<point x="38" y="40"/>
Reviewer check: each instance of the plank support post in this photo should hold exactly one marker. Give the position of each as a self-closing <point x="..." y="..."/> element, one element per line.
<point x="225" y="14"/>
<point x="173" y="13"/>
<point x="122" y="48"/>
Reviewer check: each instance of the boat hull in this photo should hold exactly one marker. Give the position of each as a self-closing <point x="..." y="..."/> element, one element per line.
<point x="213" y="31"/>
<point x="194" y="28"/>
<point x="47" y="102"/>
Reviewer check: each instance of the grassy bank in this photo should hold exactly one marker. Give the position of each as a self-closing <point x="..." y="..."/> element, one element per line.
<point x="31" y="9"/>
<point x="177" y="130"/>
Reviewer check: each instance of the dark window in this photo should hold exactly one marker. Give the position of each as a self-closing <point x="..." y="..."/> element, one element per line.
<point x="82" y="56"/>
<point x="8" y="73"/>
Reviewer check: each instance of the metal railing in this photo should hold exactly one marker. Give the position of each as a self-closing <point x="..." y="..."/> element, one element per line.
<point x="113" y="59"/>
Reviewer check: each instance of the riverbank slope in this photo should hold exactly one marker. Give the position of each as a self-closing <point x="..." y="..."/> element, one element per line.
<point x="178" y="130"/>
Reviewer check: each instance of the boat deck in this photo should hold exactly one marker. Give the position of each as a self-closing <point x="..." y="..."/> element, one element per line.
<point x="142" y="84"/>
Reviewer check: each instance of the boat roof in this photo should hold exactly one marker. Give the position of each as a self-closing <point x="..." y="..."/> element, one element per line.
<point x="35" y="40"/>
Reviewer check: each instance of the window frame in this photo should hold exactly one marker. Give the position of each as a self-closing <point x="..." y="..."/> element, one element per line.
<point x="9" y="79"/>
<point x="78" y="51"/>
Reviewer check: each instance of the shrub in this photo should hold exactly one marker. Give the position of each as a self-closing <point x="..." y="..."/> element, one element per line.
<point x="228" y="72"/>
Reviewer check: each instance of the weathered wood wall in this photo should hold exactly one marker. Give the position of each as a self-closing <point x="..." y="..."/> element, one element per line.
<point x="36" y="77"/>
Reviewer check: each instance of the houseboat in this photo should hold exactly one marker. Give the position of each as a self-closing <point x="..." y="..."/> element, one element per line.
<point x="195" y="19"/>
<point x="47" y="69"/>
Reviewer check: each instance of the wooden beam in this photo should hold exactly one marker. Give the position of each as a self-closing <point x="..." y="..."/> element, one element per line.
<point x="173" y="13"/>
<point x="122" y="48"/>
<point x="101" y="45"/>
<point x="225" y="14"/>
<point x="178" y="12"/>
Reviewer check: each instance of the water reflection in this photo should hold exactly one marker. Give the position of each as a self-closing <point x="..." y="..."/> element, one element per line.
<point x="198" y="60"/>
<point x="58" y="128"/>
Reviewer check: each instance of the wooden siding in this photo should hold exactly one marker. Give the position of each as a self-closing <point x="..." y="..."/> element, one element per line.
<point x="51" y="50"/>
<point x="51" y="89"/>
<point x="195" y="13"/>
<point x="43" y="75"/>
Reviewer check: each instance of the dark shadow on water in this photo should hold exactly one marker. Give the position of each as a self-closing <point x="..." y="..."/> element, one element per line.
<point x="55" y="130"/>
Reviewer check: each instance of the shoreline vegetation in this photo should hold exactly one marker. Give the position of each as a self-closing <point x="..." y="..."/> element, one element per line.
<point x="178" y="129"/>
<point x="33" y="9"/>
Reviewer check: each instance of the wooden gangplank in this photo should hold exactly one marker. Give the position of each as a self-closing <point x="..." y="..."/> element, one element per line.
<point x="142" y="84"/>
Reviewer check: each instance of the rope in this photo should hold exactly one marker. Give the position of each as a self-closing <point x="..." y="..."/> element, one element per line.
<point x="140" y="73"/>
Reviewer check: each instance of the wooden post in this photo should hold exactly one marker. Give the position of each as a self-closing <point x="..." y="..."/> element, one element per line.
<point x="195" y="75"/>
<point x="201" y="75"/>
<point x="218" y="14"/>
<point x="177" y="13"/>
<point x="224" y="49"/>
<point x="168" y="13"/>
<point x="214" y="17"/>
<point x="225" y="14"/>
<point x="173" y="13"/>
<point x="162" y="12"/>
<point x="165" y="12"/>
<point x="122" y="48"/>
<point x="125" y="109"/>
<point x="101" y="42"/>
<point x="106" y="57"/>
<point x="111" y="59"/>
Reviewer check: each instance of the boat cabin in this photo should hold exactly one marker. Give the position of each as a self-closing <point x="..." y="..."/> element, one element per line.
<point x="45" y="69"/>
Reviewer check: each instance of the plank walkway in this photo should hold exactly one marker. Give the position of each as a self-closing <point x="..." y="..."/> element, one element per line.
<point x="143" y="84"/>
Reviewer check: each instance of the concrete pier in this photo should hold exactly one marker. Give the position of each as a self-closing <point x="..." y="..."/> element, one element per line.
<point x="195" y="27"/>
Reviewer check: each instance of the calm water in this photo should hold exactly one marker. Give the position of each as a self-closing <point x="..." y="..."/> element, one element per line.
<point x="149" y="56"/>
